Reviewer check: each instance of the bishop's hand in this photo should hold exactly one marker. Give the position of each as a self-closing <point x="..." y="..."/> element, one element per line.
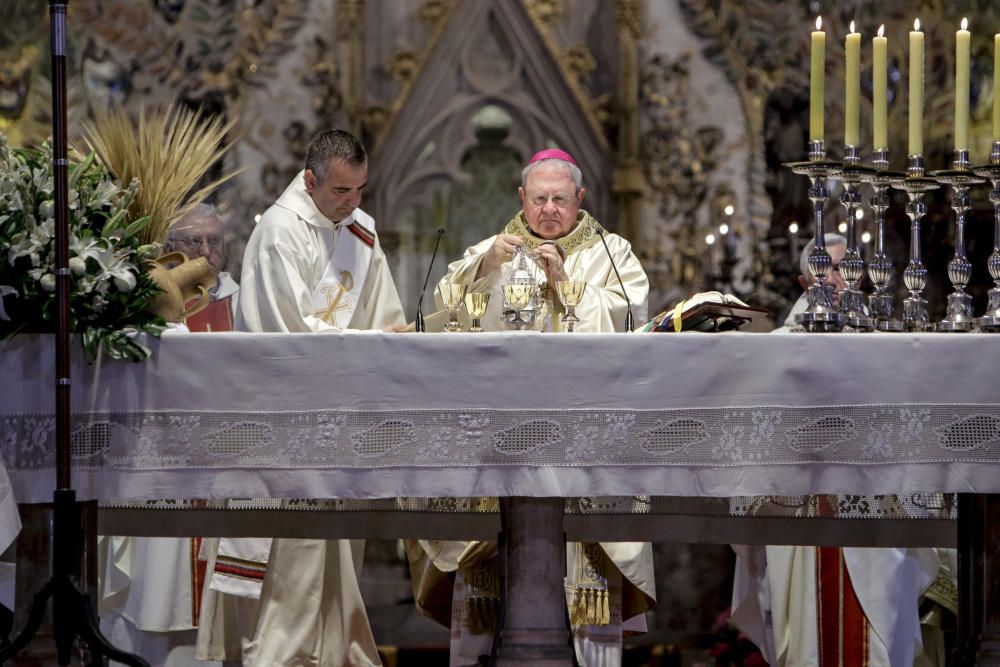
<point x="551" y="257"/>
<point x="501" y="251"/>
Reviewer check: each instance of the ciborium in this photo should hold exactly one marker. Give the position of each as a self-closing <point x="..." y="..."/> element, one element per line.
<point x="453" y="295"/>
<point x="570" y="293"/>
<point x="476" y="303"/>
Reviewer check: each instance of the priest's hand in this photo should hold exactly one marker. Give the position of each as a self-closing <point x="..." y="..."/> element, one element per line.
<point x="551" y="256"/>
<point x="501" y="251"/>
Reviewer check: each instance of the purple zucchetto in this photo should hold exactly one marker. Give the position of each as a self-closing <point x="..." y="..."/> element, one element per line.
<point x="552" y="154"/>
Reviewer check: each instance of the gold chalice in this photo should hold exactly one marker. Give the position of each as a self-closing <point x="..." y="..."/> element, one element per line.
<point x="518" y="296"/>
<point x="453" y="294"/>
<point x="475" y="303"/>
<point x="570" y="293"/>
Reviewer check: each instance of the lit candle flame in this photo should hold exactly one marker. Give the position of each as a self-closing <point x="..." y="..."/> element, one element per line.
<point x="852" y="27"/>
<point x="965" y="24"/>
<point x="916" y="25"/>
<point x="881" y="30"/>
<point x="819" y="22"/>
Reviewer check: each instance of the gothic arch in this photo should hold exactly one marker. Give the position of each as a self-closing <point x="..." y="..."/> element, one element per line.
<point x="490" y="53"/>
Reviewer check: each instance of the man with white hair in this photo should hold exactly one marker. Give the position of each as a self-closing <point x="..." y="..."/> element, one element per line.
<point x="201" y="233"/>
<point x="609" y="585"/>
<point x="836" y="245"/>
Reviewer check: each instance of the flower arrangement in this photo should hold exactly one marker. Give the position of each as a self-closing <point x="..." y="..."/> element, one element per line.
<point x="109" y="287"/>
<point x="732" y="648"/>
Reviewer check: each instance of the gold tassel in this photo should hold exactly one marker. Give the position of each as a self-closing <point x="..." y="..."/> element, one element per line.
<point x="605" y="608"/>
<point x="579" y="611"/>
<point x="481" y="613"/>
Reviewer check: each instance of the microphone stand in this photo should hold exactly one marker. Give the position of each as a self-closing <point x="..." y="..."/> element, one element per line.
<point x="629" y="324"/>
<point x="73" y="613"/>
<point x="418" y="324"/>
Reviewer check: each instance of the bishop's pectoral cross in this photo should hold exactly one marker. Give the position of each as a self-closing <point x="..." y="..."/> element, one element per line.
<point x="335" y="299"/>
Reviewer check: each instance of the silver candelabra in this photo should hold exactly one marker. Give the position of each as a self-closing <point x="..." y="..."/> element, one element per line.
<point x="916" y="183"/>
<point x="990" y="322"/>
<point x="852" y="267"/>
<point x="820" y="315"/>
<point x="880" y="268"/>
<point x="959" y="314"/>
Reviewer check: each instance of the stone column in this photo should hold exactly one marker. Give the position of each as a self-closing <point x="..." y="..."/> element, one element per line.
<point x="536" y="627"/>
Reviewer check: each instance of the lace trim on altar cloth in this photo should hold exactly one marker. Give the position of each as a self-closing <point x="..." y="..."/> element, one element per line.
<point x="151" y="440"/>
<point x="909" y="506"/>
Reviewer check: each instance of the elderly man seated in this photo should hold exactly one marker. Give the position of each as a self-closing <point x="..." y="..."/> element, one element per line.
<point x="608" y="585"/>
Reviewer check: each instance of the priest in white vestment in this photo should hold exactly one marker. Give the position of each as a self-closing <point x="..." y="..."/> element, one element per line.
<point x="807" y="606"/>
<point x="150" y="593"/>
<point x="313" y="264"/>
<point x="608" y="586"/>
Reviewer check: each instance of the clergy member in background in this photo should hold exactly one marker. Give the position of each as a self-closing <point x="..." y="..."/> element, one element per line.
<point x="836" y="246"/>
<point x="807" y="606"/>
<point x="313" y="264"/>
<point x="151" y="587"/>
<point x="609" y="586"/>
<point x="201" y="233"/>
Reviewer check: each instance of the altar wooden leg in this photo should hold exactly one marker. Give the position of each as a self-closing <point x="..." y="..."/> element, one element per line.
<point x="970" y="579"/>
<point x="989" y="644"/>
<point x="536" y="630"/>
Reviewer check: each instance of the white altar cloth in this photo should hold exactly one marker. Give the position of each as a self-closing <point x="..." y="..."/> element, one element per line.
<point x="235" y="415"/>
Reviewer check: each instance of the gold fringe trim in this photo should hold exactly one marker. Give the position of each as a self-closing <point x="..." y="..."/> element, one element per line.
<point x="590" y="606"/>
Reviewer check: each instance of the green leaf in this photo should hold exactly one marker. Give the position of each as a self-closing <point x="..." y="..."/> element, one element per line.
<point x="136" y="226"/>
<point x="112" y="224"/>
<point x="80" y="169"/>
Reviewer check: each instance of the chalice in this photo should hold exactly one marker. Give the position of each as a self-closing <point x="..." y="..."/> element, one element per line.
<point x="475" y="303"/>
<point x="518" y="296"/>
<point x="452" y="294"/>
<point x="570" y="292"/>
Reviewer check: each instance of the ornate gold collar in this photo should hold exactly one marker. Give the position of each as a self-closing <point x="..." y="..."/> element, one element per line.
<point x="582" y="236"/>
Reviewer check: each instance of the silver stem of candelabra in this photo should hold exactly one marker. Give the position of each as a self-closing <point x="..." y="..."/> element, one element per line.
<point x="820" y="315"/>
<point x="880" y="268"/>
<point x="959" y="314"/>
<point x="915" y="315"/>
<point x="852" y="266"/>
<point x="990" y="321"/>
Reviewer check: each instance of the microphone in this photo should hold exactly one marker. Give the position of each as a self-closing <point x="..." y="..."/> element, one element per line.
<point x="629" y="325"/>
<point x="418" y="325"/>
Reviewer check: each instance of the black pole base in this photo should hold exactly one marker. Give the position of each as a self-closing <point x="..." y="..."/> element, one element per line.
<point x="73" y="616"/>
<point x="73" y="613"/>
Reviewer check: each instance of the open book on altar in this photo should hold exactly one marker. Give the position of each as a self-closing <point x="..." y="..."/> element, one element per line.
<point x="705" y="311"/>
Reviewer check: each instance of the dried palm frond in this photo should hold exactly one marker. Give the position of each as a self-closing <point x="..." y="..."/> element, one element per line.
<point x="168" y="152"/>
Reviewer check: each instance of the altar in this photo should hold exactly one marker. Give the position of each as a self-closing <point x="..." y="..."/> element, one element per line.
<point x="378" y="417"/>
